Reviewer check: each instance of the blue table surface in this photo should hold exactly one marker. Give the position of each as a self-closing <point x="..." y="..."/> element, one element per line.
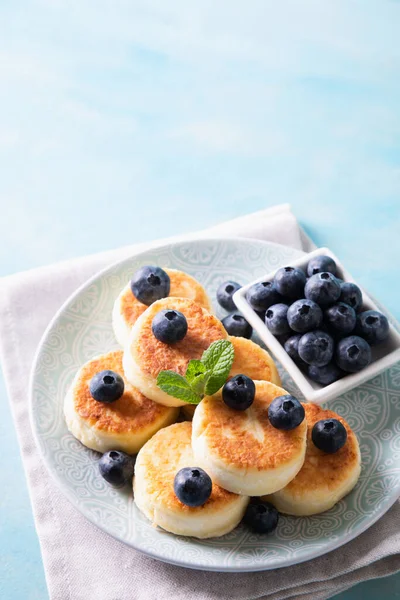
<point x="128" y="121"/>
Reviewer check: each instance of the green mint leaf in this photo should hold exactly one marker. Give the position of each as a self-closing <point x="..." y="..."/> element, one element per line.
<point x="218" y="359"/>
<point x="175" y="385"/>
<point x="194" y="369"/>
<point x="198" y="384"/>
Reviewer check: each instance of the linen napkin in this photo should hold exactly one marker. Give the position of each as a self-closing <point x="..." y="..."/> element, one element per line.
<point x="83" y="563"/>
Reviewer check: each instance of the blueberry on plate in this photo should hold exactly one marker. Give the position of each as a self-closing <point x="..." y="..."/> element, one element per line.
<point x="290" y="282"/>
<point x="291" y="347"/>
<point x="325" y="375"/>
<point x="329" y="435"/>
<point x="286" y="412"/>
<point x="353" y="353"/>
<point x="106" y="386"/>
<point x="239" y="392"/>
<point x="150" y="284"/>
<point x="321" y="264"/>
<point x="373" y="326"/>
<point x="276" y="319"/>
<point x="169" y="326"/>
<point x="340" y="317"/>
<point x="316" y="348"/>
<point x="304" y="315"/>
<point x="116" y="467"/>
<point x="322" y="288"/>
<point x="225" y="293"/>
<point x="261" y="517"/>
<point x="262" y="295"/>
<point x="192" y="486"/>
<point x="350" y="294"/>
<point x="235" y="324"/>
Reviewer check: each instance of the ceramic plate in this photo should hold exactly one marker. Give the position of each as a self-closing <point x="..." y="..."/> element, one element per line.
<point x="82" y="329"/>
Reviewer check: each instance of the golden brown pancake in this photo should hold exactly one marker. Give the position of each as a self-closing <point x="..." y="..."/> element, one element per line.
<point x="128" y="308"/>
<point x="145" y="356"/>
<point x="156" y="466"/>
<point x="241" y="450"/>
<point x="126" y="423"/>
<point x="324" y="478"/>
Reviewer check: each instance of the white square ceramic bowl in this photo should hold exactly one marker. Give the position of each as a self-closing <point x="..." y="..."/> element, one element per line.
<point x="383" y="355"/>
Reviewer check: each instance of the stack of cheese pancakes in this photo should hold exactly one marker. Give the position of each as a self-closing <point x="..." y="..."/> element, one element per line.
<point x="242" y="452"/>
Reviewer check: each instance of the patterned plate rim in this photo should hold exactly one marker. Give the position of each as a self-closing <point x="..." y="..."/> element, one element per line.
<point x="286" y="562"/>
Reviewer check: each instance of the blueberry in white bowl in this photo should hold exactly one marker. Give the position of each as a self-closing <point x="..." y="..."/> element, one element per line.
<point x="192" y="486"/>
<point x="316" y="348"/>
<point x="286" y="412"/>
<point x="325" y="375"/>
<point x="225" y="292"/>
<point x="276" y="319"/>
<point x="290" y="282"/>
<point x="304" y="315"/>
<point x="236" y="325"/>
<point x="329" y="435"/>
<point x="321" y="264"/>
<point x="106" y="386"/>
<point x="261" y="517"/>
<point x="353" y="354"/>
<point x="340" y="317"/>
<point x="262" y="295"/>
<point x="169" y="326"/>
<point x="373" y="326"/>
<point x="239" y="392"/>
<point x="291" y="346"/>
<point x="149" y="284"/>
<point x="116" y="467"/>
<point x="322" y="288"/>
<point x="351" y="294"/>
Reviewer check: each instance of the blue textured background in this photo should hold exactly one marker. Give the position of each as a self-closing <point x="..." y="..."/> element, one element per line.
<point x="127" y="120"/>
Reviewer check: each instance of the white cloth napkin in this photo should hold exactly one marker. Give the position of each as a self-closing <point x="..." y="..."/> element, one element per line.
<point x="83" y="563"/>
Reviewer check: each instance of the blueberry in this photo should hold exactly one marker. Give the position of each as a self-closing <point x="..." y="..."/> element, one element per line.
<point x="325" y="375"/>
<point x="192" y="486"/>
<point x="235" y="324"/>
<point x="329" y="435"/>
<point x="291" y="346"/>
<point x="323" y="288"/>
<point x="353" y="353"/>
<point x="373" y="326"/>
<point x="290" y="282"/>
<point x="304" y="315"/>
<point x="225" y="293"/>
<point x="285" y="412"/>
<point x="169" y="326"/>
<point x="316" y="348"/>
<point x="262" y="295"/>
<point x="261" y="517"/>
<point x="321" y="264"/>
<point x="340" y="317"/>
<point x="350" y="294"/>
<point x="276" y="319"/>
<point x="239" y="392"/>
<point x="116" y="467"/>
<point x="150" y="284"/>
<point x="106" y="386"/>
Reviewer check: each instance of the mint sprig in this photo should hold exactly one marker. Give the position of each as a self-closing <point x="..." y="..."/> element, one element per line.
<point x="203" y="377"/>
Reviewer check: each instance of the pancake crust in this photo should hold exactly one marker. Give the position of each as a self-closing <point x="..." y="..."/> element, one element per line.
<point x="153" y="356"/>
<point x="182" y="286"/>
<point x="247" y="439"/>
<point x="322" y="470"/>
<point x="130" y="413"/>
<point x="251" y="360"/>
<point x="160" y="476"/>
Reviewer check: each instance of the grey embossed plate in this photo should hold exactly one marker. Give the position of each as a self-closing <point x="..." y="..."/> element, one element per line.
<point x="82" y="328"/>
